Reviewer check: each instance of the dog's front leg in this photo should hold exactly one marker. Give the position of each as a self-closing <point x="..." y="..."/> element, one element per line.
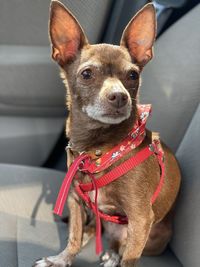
<point x="76" y="216"/>
<point x="65" y="258"/>
<point x="139" y="226"/>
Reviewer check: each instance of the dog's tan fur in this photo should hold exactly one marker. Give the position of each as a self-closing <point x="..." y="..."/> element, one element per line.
<point x="149" y="227"/>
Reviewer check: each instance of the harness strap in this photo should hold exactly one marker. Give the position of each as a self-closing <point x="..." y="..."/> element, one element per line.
<point x="160" y="157"/>
<point x="109" y="218"/>
<point x="119" y="171"/>
<point x="64" y="190"/>
<point x="107" y="160"/>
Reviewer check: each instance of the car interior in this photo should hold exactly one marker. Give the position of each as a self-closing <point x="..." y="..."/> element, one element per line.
<point x="33" y="114"/>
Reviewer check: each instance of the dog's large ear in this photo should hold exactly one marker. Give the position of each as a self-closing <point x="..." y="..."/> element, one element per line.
<point x="66" y="35"/>
<point x="139" y="35"/>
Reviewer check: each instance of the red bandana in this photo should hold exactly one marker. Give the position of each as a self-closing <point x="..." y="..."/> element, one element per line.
<point x="88" y="166"/>
<point x="133" y="140"/>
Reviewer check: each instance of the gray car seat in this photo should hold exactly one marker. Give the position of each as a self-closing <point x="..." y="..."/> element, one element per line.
<point x="28" y="230"/>
<point x="32" y="95"/>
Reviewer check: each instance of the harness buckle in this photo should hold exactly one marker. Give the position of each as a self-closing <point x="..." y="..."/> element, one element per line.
<point x="152" y="148"/>
<point x="84" y="164"/>
<point x="156" y="148"/>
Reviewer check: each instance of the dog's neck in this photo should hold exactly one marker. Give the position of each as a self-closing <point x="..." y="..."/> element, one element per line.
<point x="86" y="134"/>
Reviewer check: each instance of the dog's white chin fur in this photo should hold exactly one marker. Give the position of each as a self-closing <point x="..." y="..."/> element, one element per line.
<point x="96" y="112"/>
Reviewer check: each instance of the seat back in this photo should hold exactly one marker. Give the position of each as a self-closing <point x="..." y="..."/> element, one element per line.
<point x="25" y="22"/>
<point x="186" y="238"/>
<point x="171" y="82"/>
<point x="32" y="96"/>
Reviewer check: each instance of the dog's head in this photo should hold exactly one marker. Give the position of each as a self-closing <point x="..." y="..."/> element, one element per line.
<point x="103" y="79"/>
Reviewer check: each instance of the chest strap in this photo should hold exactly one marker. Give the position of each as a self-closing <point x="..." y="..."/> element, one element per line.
<point x="82" y="163"/>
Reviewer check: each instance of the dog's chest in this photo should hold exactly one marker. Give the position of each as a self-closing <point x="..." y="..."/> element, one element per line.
<point x="104" y="203"/>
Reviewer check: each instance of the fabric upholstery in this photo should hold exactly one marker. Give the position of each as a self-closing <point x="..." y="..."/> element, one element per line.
<point x="186" y="239"/>
<point x="39" y="240"/>
<point x="50" y="238"/>
<point x="8" y="240"/>
<point x="29" y="192"/>
<point x="171" y="82"/>
<point x="28" y="233"/>
<point x="30" y="85"/>
<point x="30" y="82"/>
<point x="32" y="99"/>
<point x="25" y="22"/>
<point x="32" y="137"/>
<point x="30" y="242"/>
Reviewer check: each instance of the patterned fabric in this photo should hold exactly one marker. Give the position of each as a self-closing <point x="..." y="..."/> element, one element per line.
<point x="133" y="140"/>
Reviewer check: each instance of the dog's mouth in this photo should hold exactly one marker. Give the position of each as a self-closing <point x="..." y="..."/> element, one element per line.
<point x="107" y="116"/>
<point x="114" y="117"/>
<point x="115" y="114"/>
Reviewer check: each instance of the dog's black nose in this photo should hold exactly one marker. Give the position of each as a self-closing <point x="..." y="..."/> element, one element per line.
<point x="117" y="100"/>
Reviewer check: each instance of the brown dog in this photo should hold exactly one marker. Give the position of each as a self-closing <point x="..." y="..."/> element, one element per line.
<point x="102" y="82"/>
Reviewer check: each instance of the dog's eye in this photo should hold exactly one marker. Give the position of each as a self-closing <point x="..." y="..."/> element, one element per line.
<point x="133" y="75"/>
<point x="86" y="74"/>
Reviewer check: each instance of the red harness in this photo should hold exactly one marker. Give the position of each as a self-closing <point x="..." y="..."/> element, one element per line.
<point x="86" y="165"/>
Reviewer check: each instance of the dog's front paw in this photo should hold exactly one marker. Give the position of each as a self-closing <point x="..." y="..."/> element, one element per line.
<point x="110" y="259"/>
<point x="53" y="261"/>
